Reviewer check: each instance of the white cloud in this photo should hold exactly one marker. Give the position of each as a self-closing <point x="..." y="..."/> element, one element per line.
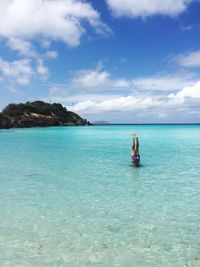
<point x="122" y="104"/>
<point x="143" y="104"/>
<point x="163" y="82"/>
<point x="187" y="99"/>
<point x="24" y="47"/>
<point x="58" y="94"/>
<point x="145" y="8"/>
<point x="49" y="19"/>
<point x="27" y="50"/>
<point x="191" y="59"/>
<point x="91" y="79"/>
<point x="120" y="83"/>
<point x="141" y="96"/>
<point x="133" y="104"/>
<point x="42" y="70"/>
<point x="191" y="91"/>
<point x="20" y="71"/>
<point x="98" y="78"/>
<point x="187" y="92"/>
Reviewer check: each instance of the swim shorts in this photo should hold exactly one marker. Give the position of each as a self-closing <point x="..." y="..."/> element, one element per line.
<point x="135" y="159"/>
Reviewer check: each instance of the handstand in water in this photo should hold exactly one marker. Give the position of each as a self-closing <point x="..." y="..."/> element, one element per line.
<point x="135" y="154"/>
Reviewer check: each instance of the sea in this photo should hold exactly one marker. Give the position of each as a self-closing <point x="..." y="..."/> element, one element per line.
<point x="69" y="196"/>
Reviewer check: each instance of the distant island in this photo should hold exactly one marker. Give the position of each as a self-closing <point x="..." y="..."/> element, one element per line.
<point x="101" y="122"/>
<point x="38" y="114"/>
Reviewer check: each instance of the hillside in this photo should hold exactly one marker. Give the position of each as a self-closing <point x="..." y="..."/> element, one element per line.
<point x="38" y="114"/>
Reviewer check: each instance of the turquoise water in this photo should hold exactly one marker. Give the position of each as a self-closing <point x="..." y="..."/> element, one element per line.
<point x="68" y="197"/>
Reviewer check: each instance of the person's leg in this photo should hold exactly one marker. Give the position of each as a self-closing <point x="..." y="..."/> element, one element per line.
<point x="137" y="146"/>
<point x="133" y="145"/>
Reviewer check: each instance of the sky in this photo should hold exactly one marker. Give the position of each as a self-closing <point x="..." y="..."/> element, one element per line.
<point x="121" y="61"/>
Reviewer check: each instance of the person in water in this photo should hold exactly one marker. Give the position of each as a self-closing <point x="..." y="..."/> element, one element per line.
<point x="135" y="154"/>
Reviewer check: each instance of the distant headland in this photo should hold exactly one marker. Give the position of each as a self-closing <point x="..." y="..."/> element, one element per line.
<point x="101" y="123"/>
<point x="38" y="114"/>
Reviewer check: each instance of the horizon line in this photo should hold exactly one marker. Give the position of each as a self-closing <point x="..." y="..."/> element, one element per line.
<point x="169" y="123"/>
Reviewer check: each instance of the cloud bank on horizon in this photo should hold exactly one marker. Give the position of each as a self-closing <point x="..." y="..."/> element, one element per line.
<point x="123" y="60"/>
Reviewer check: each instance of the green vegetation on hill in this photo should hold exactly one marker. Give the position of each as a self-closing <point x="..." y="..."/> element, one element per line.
<point x="38" y="113"/>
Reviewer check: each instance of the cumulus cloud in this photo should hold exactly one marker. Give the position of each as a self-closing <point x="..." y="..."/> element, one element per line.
<point x="187" y="92"/>
<point x="145" y="8"/>
<point x="122" y="103"/>
<point x="186" y="99"/>
<point x="24" y="22"/>
<point x="23" y="47"/>
<point x="26" y="49"/>
<point x="42" y="70"/>
<point x="49" y="19"/>
<point x="20" y="71"/>
<point x="191" y="59"/>
<point x="190" y="91"/>
<point x="58" y="94"/>
<point x="161" y="82"/>
<point x="91" y="79"/>
<point x="132" y="104"/>
<point x="98" y="78"/>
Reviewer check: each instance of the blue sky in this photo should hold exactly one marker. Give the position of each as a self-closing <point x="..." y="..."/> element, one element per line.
<point x="114" y="60"/>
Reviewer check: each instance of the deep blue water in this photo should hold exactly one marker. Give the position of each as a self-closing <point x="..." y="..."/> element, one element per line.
<point x="69" y="197"/>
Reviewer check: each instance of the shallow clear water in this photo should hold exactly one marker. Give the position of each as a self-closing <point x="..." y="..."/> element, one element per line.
<point x="69" y="197"/>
